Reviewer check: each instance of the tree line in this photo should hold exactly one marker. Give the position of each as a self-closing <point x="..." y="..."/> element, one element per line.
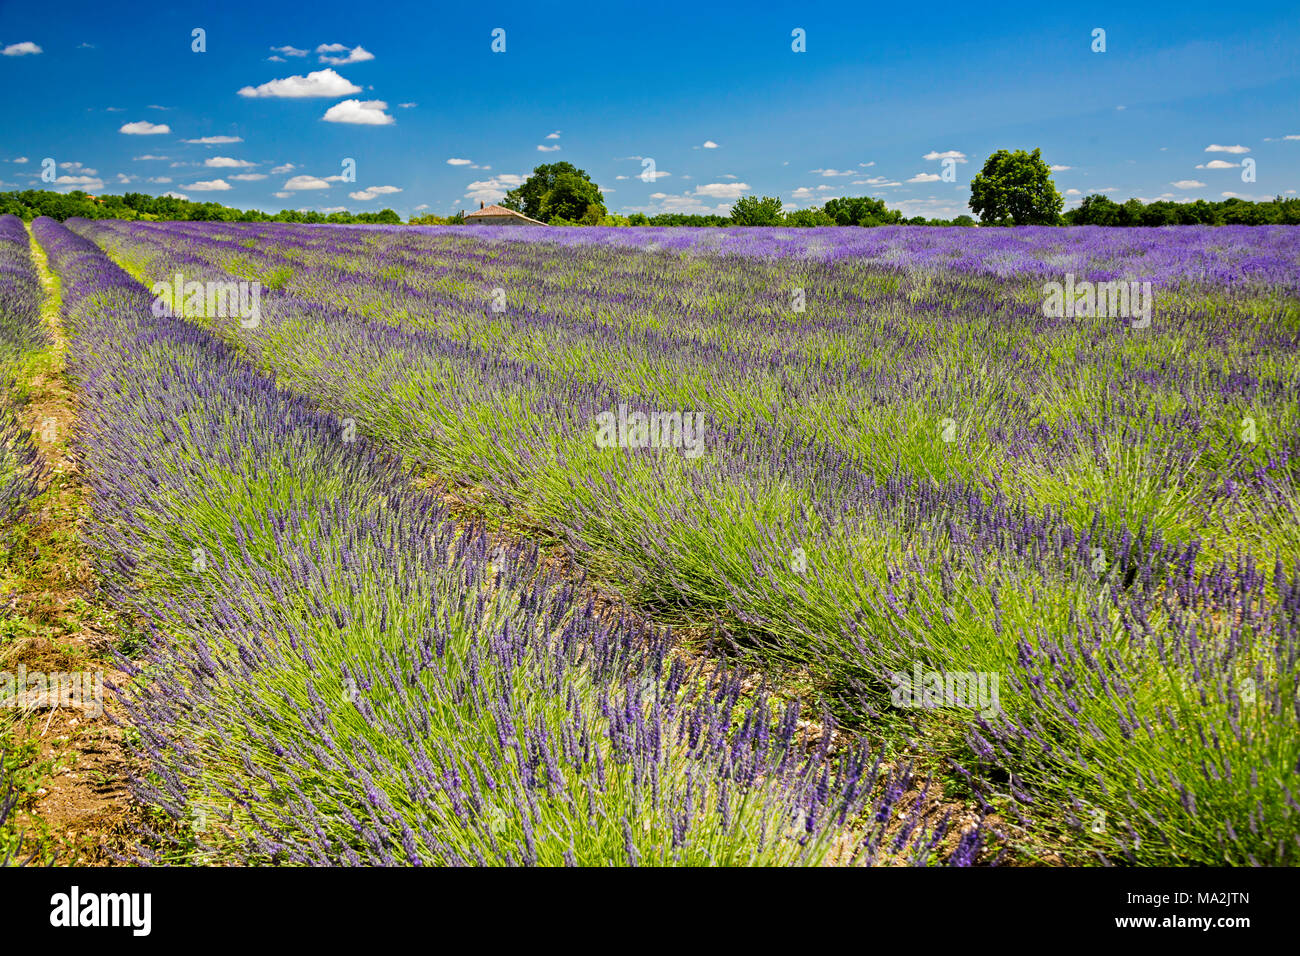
<point x="41" y="202"/>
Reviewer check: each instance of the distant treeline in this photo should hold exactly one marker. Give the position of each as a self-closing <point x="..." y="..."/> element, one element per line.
<point x="41" y="202"/>
<point x="1095" y="210"/>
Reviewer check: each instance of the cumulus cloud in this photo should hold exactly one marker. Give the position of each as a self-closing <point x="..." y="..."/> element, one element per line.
<point x="832" y="172"/>
<point x="490" y="190"/>
<point x="359" y="113"/>
<point x="709" y="144"/>
<point x="460" y="162"/>
<point x="210" y="186"/>
<point x="248" y="177"/>
<point x="281" y="195"/>
<point x="227" y="162"/>
<point x="144" y="128"/>
<point x="370" y="192"/>
<point x="1060" y="169"/>
<point x="547" y="149"/>
<point x="555" y="135"/>
<point x="26" y="48"/>
<point x="879" y="181"/>
<point x="407" y="106"/>
<point x="286" y="168"/>
<point x="214" y="140"/>
<point x="1216" y="148"/>
<point x="306" y="182"/>
<point x="358" y="54"/>
<point x="721" y="190"/>
<point x="289" y="50"/>
<point x="924" y="178"/>
<point x="950" y="154"/>
<point x="88" y="183"/>
<point x="1217" y="164"/>
<point x="319" y="83"/>
<point x="175" y="195"/>
<point x="1188" y="184"/>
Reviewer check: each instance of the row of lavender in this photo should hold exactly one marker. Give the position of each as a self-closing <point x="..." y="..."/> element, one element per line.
<point x="21" y="334"/>
<point x="1131" y="612"/>
<point x="336" y="674"/>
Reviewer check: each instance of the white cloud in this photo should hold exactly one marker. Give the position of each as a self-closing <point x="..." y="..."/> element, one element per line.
<point x="159" y="179"/>
<point x="114" y="109"/>
<point x="124" y="178"/>
<point x="286" y="168"/>
<point x="878" y="181"/>
<point x="423" y="205"/>
<point x="289" y="50"/>
<point x="925" y="178"/>
<point x="227" y="162"/>
<point x="306" y="182"/>
<point x="1073" y="192"/>
<point x="832" y="172"/>
<point x="322" y="83"/>
<point x="721" y="190"/>
<point x="210" y="186"/>
<point x="88" y="183"/>
<point x="1216" y="148"/>
<point x="490" y="190"/>
<point x="865" y="165"/>
<point x="248" y="177"/>
<point x="547" y="149"/>
<point x="359" y="113"/>
<point x="804" y="193"/>
<point x="370" y="192"/>
<point x="1217" y="164"/>
<point x="214" y="140"/>
<point x="460" y="162"/>
<point x="334" y="209"/>
<point x="657" y="175"/>
<point x="1188" y="184"/>
<point x="276" y="59"/>
<point x="19" y="159"/>
<point x="407" y="106"/>
<point x="149" y="156"/>
<point x="281" y="195"/>
<point x="555" y="135"/>
<point x="709" y="144"/>
<point x="950" y="154"/>
<point x="175" y="195"/>
<point x="144" y="128"/>
<point x="26" y="48"/>
<point x="358" y="54"/>
<point x="1060" y="169"/>
<point x="80" y="168"/>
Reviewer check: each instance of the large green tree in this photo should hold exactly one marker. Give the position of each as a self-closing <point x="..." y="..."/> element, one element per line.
<point x="1016" y="189"/>
<point x="752" y="211"/>
<point x="555" y="191"/>
<point x="861" y="211"/>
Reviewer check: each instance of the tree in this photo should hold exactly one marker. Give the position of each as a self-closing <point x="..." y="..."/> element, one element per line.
<point x="555" y="191"/>
<point x="1016" y="188"/>
<point x="809" y="217"/>
<point x="752" y="211"/>
<point x="861" y="211"/>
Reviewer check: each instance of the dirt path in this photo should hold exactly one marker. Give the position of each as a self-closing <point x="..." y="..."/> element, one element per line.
<point x="77" y="809"/>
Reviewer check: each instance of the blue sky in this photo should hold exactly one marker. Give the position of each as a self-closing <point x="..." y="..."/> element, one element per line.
<point x="435" y="121"/>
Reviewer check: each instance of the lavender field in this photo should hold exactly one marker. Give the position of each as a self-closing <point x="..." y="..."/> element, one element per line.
<point x="672" y="546"/>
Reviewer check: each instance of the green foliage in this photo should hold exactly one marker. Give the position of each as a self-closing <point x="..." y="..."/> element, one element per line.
<point x="556" y="191"/>
<point x="1097" y="210"/>
<point x="809" y="217"/>
<point x="752" y="211"/>
<point x="1016" y="189"/>
<point x="132" y="206"/>
<point x="861" y="211"/>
